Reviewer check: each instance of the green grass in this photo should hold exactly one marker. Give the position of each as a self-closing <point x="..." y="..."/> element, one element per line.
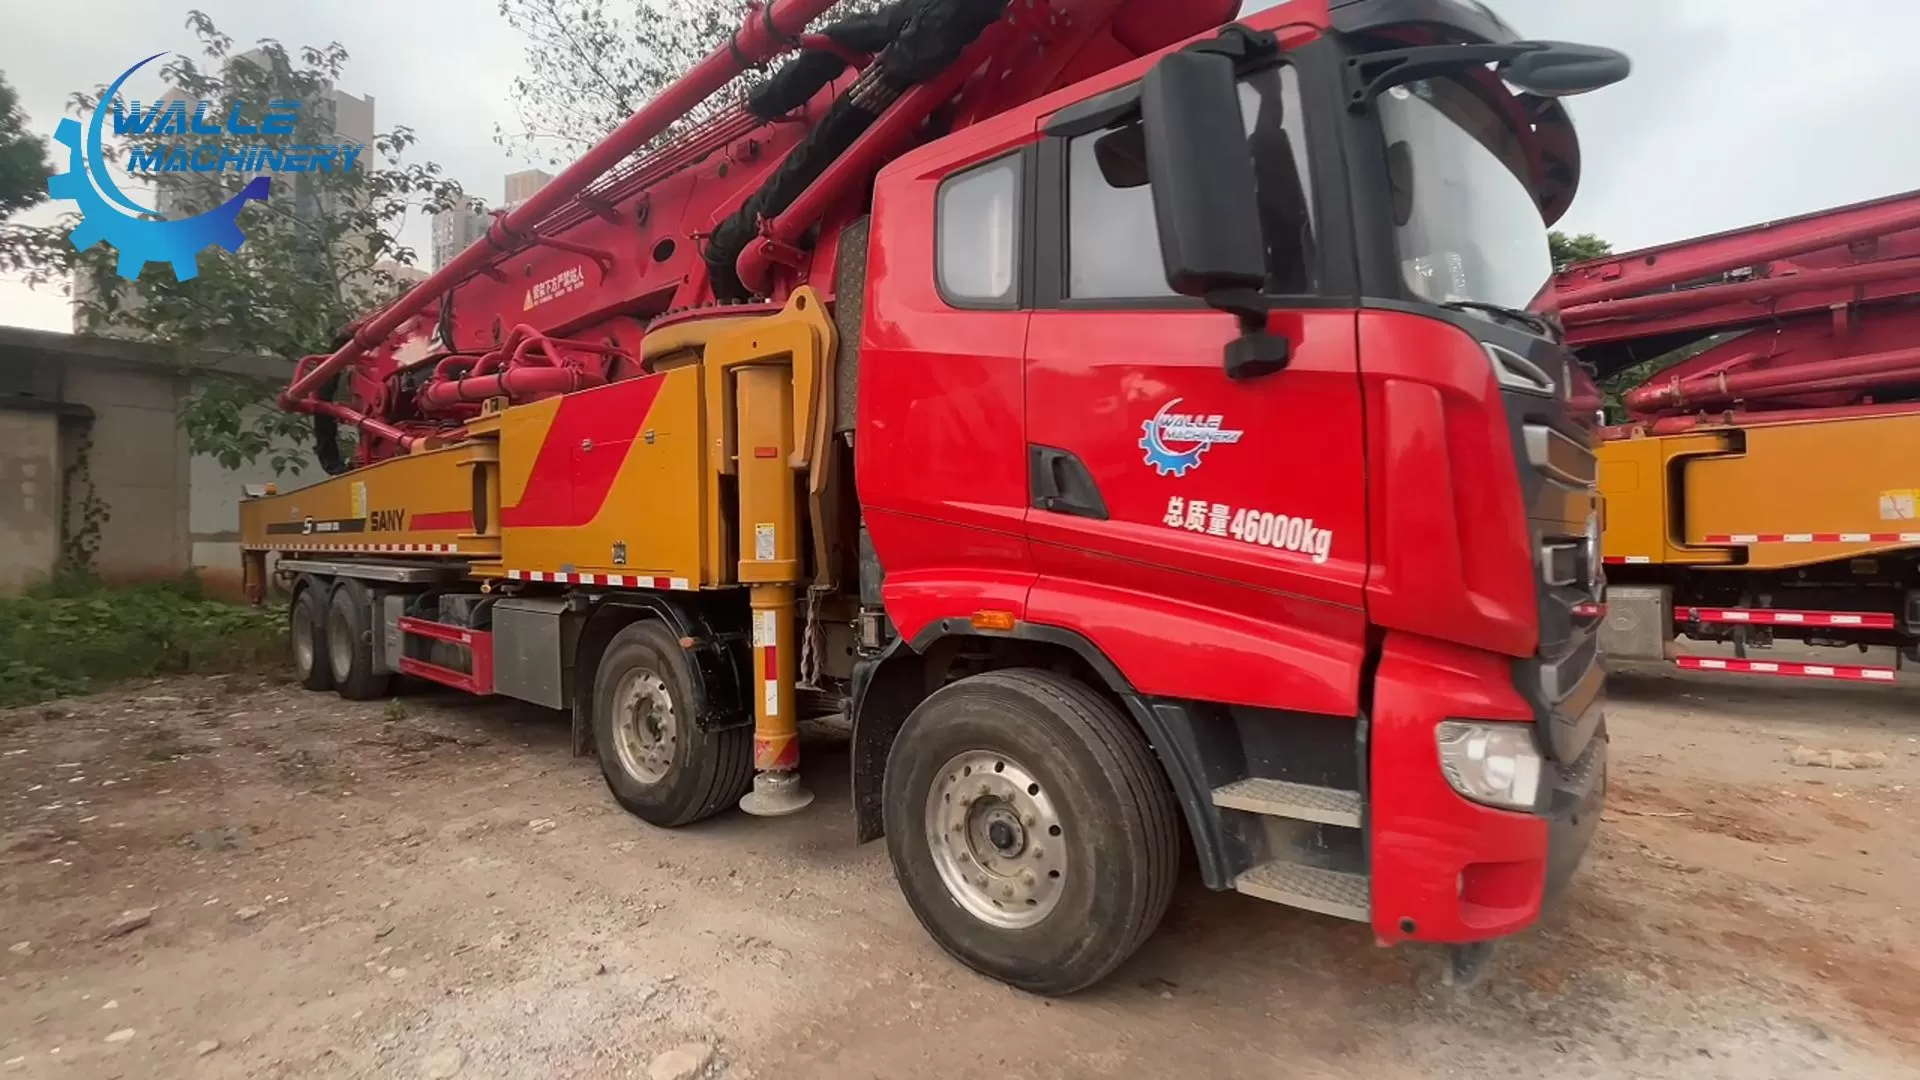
<point x="74" y="636"/>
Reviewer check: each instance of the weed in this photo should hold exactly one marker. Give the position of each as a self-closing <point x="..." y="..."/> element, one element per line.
<point x="72" y="636"/>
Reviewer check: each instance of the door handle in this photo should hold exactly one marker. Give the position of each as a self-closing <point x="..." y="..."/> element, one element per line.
<point x="1060" y="483"/>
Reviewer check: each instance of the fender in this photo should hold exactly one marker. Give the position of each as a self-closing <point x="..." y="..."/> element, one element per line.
<point x="887" y="688"/>
<point x="721" y="678"/>
<point x="1296" y="655"/>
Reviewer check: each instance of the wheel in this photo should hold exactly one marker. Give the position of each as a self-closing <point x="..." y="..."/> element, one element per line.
<point x="350" y="644"/>
<point x="659" y="765"/>
<point x="1031" y="828"/>
<point x="306" y="627"/>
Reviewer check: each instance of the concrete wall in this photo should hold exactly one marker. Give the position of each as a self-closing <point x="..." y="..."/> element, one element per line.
<point x="213" y="514"/>
<point x="137" y="465"/>
<point x="106" y="412"/>
<point x="29" y="496"/>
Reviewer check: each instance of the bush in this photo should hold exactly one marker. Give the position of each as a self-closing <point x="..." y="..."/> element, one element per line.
<point x="73" y="635"/>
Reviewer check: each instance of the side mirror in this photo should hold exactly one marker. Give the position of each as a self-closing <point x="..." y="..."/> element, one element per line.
<point x="1203" y="183"/>
<point x="1544" y="68"/>
<point x="1562" y="69"/>
<point x="1206" y="201"/>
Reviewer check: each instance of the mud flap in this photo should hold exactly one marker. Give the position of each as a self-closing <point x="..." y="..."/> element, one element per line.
<point x="1468" y="964"/>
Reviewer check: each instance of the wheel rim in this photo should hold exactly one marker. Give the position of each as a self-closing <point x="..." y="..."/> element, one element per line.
<point x="340" y="644"/>
<point x="997" y="839"/>
<point x="645" y="729"/>
<point x="303" y="652"/>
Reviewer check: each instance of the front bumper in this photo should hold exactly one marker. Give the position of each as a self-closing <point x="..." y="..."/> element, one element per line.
<point x="1443" y="868"/>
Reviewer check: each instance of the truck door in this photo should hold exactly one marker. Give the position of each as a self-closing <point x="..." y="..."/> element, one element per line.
<point x="940" y="459"/>
<point x="1171" y="505"/>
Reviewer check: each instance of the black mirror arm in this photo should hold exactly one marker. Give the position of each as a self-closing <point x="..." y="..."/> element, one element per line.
<point x="1257" y="351"/>
<point x="1370" y="75"/>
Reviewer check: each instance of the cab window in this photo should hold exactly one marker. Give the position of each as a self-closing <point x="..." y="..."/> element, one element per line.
<point x="1113" y="240"/>
<point x="978" y="220"/>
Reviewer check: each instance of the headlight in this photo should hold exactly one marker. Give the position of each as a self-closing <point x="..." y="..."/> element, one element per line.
<point x="1494" y="764"/>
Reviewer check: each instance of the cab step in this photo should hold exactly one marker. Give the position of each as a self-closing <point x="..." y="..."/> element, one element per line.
<point x="1329" y="892"/>
<point x="1281" y="798"/>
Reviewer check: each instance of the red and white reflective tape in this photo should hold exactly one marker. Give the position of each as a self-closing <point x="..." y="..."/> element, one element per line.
<point x="381" y="549"/>
<point x="1627" y="560"/>
<point x="770" y="678"/>
<point x="1815" y="538"/>
<point x="766" y="638"/>
<point x="1776" y="667"/>
<point x="1865" y="620"/>
<point x="612" y="581"/>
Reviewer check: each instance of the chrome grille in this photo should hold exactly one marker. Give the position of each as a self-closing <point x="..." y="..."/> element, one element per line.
<point x="1567" y="685"/>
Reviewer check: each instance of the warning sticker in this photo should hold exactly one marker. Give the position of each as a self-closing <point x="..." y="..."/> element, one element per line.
<point x="763" y="542"/>
<point x="359" y="491"/>
<point x="765" y="630"/>
<point x="772" y="698"/>
<point x="1897" y="505"/>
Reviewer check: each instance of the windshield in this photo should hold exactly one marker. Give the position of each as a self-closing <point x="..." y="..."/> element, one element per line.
<point x="1465" y="223"/>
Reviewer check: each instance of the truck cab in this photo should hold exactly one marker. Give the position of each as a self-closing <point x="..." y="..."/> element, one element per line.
<point x="1212" y="389"/>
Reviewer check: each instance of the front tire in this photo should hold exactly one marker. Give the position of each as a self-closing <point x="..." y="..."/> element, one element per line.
<point x="306" y="635"/>
<point x="1030" y="828"/>
<point x="657" y="761"/>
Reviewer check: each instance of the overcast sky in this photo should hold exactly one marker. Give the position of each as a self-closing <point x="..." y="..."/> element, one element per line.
<point x="1738" y="110"/>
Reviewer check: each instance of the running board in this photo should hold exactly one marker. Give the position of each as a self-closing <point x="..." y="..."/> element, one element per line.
<point x="1328" y="892"/>
<point x="1844" y="672"/>
<point x="1302" y="802"/>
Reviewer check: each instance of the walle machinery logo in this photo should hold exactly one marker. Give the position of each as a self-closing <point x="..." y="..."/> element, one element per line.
<point x="177" y="137"/>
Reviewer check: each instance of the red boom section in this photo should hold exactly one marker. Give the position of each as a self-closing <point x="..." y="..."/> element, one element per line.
<point x="758" y="40"/>
<point x="749" y="203"/>
<point x="1816" y="313"/>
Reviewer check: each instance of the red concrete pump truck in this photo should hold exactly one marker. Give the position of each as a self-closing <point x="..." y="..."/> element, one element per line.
<point x="1761" y="492"/>
<point x="1129" y="418"/>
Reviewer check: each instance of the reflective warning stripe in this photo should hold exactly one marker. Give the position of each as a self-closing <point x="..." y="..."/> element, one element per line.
<point x="1630" y="560"/>
<point x="770" y="678"/>
<point x="378" y="549"/>
<point x="1815" y="538"/>
<point x="1778" y="667"/>
<point x="612" y="581"/>
<point x="1865" y="620"/>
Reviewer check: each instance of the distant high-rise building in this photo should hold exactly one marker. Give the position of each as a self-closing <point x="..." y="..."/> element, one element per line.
<point x="401" y="272"/>
<point x="455" y="230"/>
<point x="352" y="122"/>
<point x="522" y="185"/>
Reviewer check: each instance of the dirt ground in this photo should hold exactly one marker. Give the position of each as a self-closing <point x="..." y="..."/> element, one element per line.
<point x="437" y="889"/>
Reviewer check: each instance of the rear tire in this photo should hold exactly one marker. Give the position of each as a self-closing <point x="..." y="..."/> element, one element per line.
<point x="657" y="762"/>
<point x="307" y="635"/>
<point x="350" y="644"/>
<point x="1058" y="845"/>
